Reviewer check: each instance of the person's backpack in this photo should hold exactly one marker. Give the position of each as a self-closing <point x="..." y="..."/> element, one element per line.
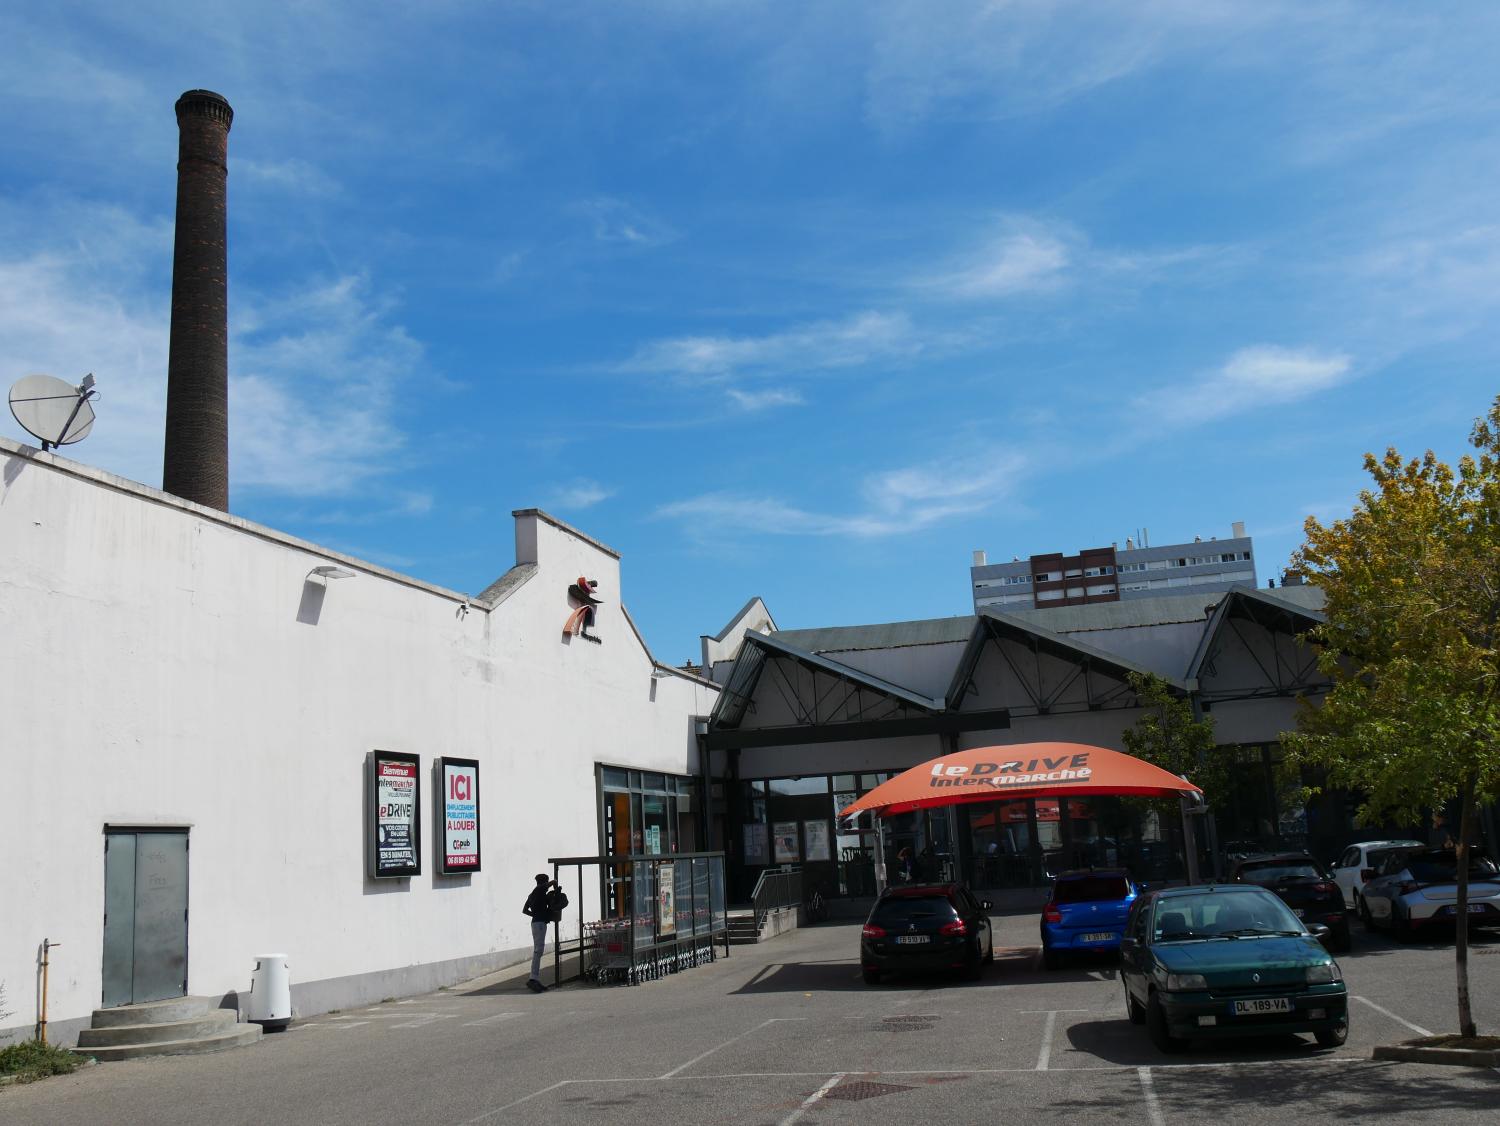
<point x="557" y="902"/>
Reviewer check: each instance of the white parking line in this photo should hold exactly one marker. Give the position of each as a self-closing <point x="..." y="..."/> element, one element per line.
<point x="1148" y="1091"/>
<point x="341" y="1026"/>
<point x="422" y="1020"/>
<point x="1045" y="1056"/>
<point x="817" y="1095"/>
<point x="1417" y="1028"/>
<point x="490" y="1020"/>
<point x="732" y="1040"/>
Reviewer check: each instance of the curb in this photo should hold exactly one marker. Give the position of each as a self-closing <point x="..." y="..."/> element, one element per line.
<point x="1453" y="1057"/>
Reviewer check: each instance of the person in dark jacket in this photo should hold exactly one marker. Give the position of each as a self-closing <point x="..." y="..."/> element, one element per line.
<point x="537" y="911"/>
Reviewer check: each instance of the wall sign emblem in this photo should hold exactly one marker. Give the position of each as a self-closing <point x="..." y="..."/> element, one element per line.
<point x="458" y="804"/>
<point x="582" y="598"/>
<point x="394" y="815"/>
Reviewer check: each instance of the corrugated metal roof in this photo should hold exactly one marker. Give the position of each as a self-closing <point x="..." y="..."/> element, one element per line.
<point x="884" y="635"/>
<point x="1131" y="613"/>
<point x="1162" y="610"/>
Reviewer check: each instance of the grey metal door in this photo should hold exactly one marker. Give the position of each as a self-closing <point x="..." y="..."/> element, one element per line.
<point x="145" y="916"/>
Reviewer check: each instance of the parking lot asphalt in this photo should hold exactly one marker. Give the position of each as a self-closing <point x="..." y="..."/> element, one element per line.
<point x="786" y="1032"/>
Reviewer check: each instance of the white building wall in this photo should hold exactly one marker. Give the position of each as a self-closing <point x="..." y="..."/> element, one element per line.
<point x="154" y="672"/>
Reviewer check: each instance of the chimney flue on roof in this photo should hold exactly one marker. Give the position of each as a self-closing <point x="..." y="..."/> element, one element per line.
<point x="195" y="464"/>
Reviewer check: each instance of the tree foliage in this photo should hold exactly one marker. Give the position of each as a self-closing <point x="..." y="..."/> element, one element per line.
<point x="1170" y="736"/>
<point x="1412" y="580"/>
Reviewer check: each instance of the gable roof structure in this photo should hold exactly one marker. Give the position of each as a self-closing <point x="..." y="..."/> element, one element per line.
<point x="994" y="625"/>
<point x="1271" y="611"/>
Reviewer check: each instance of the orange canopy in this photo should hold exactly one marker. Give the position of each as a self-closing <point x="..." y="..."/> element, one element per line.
<point x="1024" y="770"/>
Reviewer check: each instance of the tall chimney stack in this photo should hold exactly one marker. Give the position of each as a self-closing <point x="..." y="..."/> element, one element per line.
<point x="196" y="461"/>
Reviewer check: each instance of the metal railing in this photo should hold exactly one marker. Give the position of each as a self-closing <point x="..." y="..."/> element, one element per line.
<point x="777" y="887"/>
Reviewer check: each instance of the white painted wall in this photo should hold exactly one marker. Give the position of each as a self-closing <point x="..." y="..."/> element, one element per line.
<point x="153" y="671"/>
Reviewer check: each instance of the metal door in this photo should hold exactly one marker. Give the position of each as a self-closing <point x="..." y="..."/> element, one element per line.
<point x="145" y="920"/>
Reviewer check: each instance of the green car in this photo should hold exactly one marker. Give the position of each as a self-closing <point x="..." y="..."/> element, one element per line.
<point x="1199" y="962"/>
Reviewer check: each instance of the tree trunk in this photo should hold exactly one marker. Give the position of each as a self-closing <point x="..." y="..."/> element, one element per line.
<point x="1461" y="909"/>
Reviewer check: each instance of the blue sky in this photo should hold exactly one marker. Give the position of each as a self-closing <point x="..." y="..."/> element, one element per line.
<point x="799" y="300"/>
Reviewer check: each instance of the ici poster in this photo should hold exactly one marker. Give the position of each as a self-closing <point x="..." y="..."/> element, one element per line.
<point x="459" y="798"/>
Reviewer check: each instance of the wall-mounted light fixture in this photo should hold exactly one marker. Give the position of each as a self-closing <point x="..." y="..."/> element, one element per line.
<point x="328" y="571"/>
<point x="660" y="673"/>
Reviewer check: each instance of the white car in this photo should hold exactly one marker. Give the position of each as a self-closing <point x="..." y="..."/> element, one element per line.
<point x="1359" y="864"/>
<point x="1417" y="887"/>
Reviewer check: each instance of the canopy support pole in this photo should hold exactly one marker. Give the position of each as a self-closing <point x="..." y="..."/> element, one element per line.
<point x="1189" y="839"/>
<point x="879" y="853"/>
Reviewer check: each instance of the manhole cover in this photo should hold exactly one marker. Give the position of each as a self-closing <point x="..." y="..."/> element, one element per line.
<point x="863" y="1089"/>
<point x="906" y="1024"/>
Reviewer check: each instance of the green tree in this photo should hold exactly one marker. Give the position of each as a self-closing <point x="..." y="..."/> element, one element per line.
<point x="1170" y="736"/>
<point x="1412" y="580"/>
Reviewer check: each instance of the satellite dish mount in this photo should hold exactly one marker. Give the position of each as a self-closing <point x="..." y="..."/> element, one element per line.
<point x="52" y="411"/>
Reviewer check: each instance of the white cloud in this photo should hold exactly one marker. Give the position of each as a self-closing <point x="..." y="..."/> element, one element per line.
<point x="754" y="401"/>
<point x="621" y="223"/>
<point x="579" y="494"/>
<point x="1261" y="376"/>
<point x="293" y="176"/>
<point x="1022" y="258"/>
<point x="313" y="371"/>
<point x="313" y="378"/>
<point x="895" y="502"/>
<point x="823" y="345"/>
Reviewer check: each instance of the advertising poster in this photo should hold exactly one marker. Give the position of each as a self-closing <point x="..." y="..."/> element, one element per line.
<point x="784" y="833"/>
<point x="395" y="815"/>
<point x="653" y="840"/>
<point x="815" y="835"/>
<point x="756" y="851"/>
<point x="459" y="782"/>
<point x="666" y="899"/>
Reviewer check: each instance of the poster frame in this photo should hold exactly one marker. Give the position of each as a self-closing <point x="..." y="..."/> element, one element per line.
<point x="816" y="830"/>
<point x="758" y="835"/>
<point x="372" y="817"/>
<point x="789" y="831"/>
<point x="666" y="899"/>
<point x="440" y="812"/>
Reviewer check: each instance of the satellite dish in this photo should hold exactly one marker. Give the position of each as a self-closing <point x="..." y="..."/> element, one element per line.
<point x="56" y="412"/>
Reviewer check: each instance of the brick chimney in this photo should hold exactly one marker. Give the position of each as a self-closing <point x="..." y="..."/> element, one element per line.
<point x="195" y="465"/>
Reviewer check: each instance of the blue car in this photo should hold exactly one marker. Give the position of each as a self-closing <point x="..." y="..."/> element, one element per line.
<point x="1086" y="913"/>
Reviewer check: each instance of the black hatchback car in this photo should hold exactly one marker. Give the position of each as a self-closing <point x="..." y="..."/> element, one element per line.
<point x="1304" y="886"/>
<point x="926" y="927"/>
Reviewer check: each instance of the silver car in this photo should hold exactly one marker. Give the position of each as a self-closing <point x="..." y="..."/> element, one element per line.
<point x="1418" y="887"/>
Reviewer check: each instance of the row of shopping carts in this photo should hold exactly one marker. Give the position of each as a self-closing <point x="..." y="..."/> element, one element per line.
<point x="611" y="958"/>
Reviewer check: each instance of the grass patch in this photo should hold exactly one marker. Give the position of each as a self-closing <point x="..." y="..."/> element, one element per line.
<point x="31" y="1059"/>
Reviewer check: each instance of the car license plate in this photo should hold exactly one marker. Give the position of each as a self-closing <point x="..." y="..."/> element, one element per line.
<point x="1262" y="1005"/>
<point x="910" y="939"/>
<point x="1474" y="909"/>
<point x="1098" y="936"/>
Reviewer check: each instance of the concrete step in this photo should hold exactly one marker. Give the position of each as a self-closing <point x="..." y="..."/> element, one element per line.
<point x="237" y="1036"/>
<point x="154" y="1012"/>
<point x="214" y="1023"/>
